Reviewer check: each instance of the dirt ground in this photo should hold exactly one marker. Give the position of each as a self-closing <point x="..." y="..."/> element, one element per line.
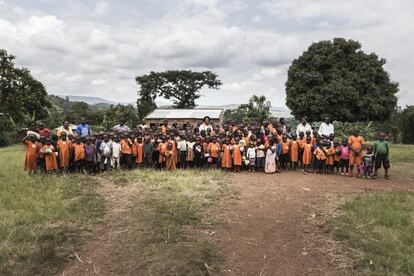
<point x="275" y="226"/>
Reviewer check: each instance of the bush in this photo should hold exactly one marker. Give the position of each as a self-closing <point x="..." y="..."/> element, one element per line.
<point x="406" y="125"/>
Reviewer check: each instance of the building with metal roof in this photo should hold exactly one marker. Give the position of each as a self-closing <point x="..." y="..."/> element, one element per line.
<point x="184" y="116"/>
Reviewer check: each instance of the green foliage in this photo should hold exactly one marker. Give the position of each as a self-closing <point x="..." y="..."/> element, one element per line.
<point x="180" y="86"/>
<point x="116" y="113"/>
<point x="21" y="96"/>
<point x="41" y="217"/>
<point x="145" y="105"/>
<point x="338" y="79"/>
<point x="344" y="130"/>
<point x="256" y="110"/>
<point x="380" y="227"/>
<point x="406" y="125"/>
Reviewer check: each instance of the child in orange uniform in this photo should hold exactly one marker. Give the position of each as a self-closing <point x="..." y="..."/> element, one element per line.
<point x="30" y="161"/>
<point x="356" y="145"/>
<point x="64" y="147"/>
<point x="169" y="157"/>
<point x="307" y="155"/>
<point x="226" y="162"/>
<point x="320" y="158"/>
<point x="214" y="151"/>
<point x="284" y="155"/>
<point x="294" y="152"/>
<point x="140" y="153"/>
<point x="50" y="157"/>
<point x="79" y="154"/>
<point x="237" y="155"/>
<point x="337" y="156"/>
<point x="125" y="153"/>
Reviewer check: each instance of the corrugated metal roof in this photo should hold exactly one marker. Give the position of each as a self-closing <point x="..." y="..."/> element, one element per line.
<point x="184" y="114"/>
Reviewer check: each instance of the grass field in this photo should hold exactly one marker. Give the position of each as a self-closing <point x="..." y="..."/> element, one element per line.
<point x="379" y="226"/>
<point x="172" y="208"/>
<point x="41" y="217"/>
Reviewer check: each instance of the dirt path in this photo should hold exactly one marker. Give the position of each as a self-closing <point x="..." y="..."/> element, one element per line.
<point x="278" y="227"/>
<point x="97" y="256"/>
<point x="275" y="227"/>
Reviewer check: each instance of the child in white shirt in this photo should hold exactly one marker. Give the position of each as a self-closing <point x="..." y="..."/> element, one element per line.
<point x="251" y="156"/>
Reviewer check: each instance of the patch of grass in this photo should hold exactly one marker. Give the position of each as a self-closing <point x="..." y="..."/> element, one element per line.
<point x="170" y="214"/>
<point x="40" y="216"/>
<point x="401" y="153"/>
<point x="379" y="227"/>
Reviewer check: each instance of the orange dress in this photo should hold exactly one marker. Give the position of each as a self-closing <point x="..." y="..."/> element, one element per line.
<point x="214" y="149"/>
<point x="246" y="141"/>
<point x="237" y="158"/>
<point x="125" y="148"/>
<point x="285" y="148"/>
<point x="169" y="162"/>
<point x="356" y="142"/>
<point x="64" y="152"/>
<point x="162" y="148"/>
<point x="226" y="161"/>
<point x="319" y="154"/>
<point x="30" y="161"/>
<point x="139" y="147"/>
<point x="134" y="149"/>
<point x="79" y="151"/>
<point x="50" y="159"/>
<point x="307" y="154"/>
<point x="294" y="151"/>
<point x="330" y="157"/>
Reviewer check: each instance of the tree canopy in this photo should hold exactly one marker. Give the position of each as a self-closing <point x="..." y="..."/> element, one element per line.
<point x="337" y="79"/>
<point x="116" y="113"/>
<point x="22" y="97"/>
<point x="181" y="86"/>
<point x="256" y="110"/>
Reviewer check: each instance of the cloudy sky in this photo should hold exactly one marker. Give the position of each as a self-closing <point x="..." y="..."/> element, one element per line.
<point x="96" y="48"/>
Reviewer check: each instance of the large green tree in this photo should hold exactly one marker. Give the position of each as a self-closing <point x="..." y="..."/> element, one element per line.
<point x="181" y="86"/>
<point x="116" y="113"/>
<point x="22" y="97"/>
<point x="336" y="78"/>
<point x="145" y="105"/>
<point x="256" y="110"/>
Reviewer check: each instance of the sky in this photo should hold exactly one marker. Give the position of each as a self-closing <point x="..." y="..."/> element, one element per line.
<point x="97" y="48"/>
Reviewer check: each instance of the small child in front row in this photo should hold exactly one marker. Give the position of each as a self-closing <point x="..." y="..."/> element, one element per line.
<point x="49" y="152"/>
<point x="337" y="155"/>
<point x="251" y="156"/>
<point x="344" y="157"/>
<point x="368" y="161"/>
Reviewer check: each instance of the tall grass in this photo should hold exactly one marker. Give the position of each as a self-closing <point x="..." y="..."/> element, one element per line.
<point x="379" y="227"/>
<point x="40" y="216"/>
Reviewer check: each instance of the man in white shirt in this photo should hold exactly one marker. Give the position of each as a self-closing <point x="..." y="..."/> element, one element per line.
<point x="326" y="128"/>
<point x="206" y="124"/>
<point x="303" y="127"/>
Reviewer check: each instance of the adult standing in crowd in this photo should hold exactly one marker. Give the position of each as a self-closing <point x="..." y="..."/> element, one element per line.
<point x="83" y="129"/>
<point x="43" y="130"/>
<point x="206" y="124"/>
<point x="33" y="130"/>
<point x="64" y="128"/>
<point x="326" y="128"/>
<point x="282" y="123"/>
<point x="303" y="126"/>
<point x="121" y="127"/>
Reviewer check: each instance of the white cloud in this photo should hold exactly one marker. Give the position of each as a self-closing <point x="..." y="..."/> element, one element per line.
<point x="99" y="48"/>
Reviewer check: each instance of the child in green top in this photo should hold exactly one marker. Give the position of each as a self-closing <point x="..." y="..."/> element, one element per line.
<point x="381" y="155"/>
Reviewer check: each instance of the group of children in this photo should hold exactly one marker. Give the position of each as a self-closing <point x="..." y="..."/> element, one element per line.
<point x="233" y="147"/>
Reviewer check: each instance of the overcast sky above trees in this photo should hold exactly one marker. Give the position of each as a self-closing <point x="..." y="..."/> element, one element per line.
<point x="96" y="48"/>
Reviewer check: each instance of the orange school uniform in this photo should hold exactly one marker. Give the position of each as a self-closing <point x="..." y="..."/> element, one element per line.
<point x="139" y="146"/>
<point x="162" y="148"/>
<point x="79" y="151"/>
<point x="64" y="152"/>
<point x="226" y="161"/>
<point x="30" y="161"/>
<point x="125" y="148"/>
<point x="285" y="147"/>
<point x="337" y="157"/>
<point x="319" y="154"/>
<point x="356" y="142"/>
<point x="330" y="156"/>
<point x="294" y="151"/>
<point x="50" y="159"/>
<point x="307" y="154"/>
<point x="237" y="158"/>
<point x="214" y="149"/>
<point x="169" y="160"/>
